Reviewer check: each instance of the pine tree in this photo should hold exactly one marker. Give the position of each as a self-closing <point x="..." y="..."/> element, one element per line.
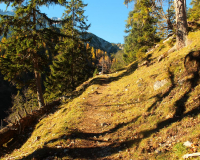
<point x="181" y="22"/>
<point x="30" y="39"/>
<point x="194" y="12"/>
<point x="70" y="66"/>
<point x="141" y="26"/>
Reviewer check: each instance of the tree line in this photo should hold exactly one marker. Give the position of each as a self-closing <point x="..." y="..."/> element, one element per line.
<point x="151" y="21"/>
<point x="35" y="54"/>
<point x="45" y="62"/>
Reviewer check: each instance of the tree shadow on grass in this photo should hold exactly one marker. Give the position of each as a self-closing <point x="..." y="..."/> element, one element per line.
<point x="113" y="147"/>
<point x="90" y="152"/>
<point x="160" y="97"/>
<point x="17" y="142"/>
<point x="104" y="81"/>
<point x="94" y="152"/>
<point x="180" y="104"/>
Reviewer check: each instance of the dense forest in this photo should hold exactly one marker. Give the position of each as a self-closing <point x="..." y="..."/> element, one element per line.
<point x="41" y="62"/>
<point x="68" y="94"/>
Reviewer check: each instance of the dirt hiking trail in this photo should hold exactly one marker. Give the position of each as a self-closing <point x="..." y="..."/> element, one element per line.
<point x="95" y="128"/>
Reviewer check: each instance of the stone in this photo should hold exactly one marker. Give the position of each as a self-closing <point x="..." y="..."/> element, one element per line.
<point x="157" y="45"/>
<point x="139" y="85"/>
<point x="158" y="84"/>
<point x="37" y="138"/>
<point x="107" y="139"/>
<point x="58" y="146"/>
<point x="143" y="63"/>
<point x="187" y="144"/>
<point x="191" y="155"/>
<point x="160" y="58"/>
<point x="181" y="82"/>
<point x="157" y="151"/>
<point x="104" y="124"/>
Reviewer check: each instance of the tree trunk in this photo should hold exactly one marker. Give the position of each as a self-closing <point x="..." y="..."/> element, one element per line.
<point x="72" y="65"/>
<point x="36" y="70"/>
<point x="39" y="89"/>
<point x="181" y="24"/>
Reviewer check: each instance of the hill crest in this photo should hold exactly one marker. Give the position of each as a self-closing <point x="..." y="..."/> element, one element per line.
<point x="122" y="115"/>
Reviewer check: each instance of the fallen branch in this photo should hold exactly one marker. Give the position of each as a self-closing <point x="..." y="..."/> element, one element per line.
<point x="12" y="130"/>
<point x="7" y="133"/>
<point x="191" y="155"/>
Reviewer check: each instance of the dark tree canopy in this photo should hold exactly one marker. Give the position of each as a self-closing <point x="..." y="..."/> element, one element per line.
<point x="71" y="66"/>
<point x="31" y="37"/>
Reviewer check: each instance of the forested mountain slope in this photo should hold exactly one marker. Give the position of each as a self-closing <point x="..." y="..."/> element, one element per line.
<point x="7" y="90"/>
<point x="146" y="111"/>
<point x="99" y="43"/>
<point x="96" y="42"/>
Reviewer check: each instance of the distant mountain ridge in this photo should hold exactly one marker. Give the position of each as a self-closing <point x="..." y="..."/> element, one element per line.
<point x="99" y="43"/>
<point x="96" y="42"/>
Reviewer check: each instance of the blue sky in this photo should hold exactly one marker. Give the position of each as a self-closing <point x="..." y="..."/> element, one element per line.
<point x="107" y="17"/>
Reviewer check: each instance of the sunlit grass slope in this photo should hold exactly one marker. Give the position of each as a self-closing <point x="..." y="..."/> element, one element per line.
<point x="144" y="123"/>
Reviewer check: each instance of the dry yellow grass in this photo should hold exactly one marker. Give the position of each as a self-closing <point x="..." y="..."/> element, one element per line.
<point x="142" y="121"/>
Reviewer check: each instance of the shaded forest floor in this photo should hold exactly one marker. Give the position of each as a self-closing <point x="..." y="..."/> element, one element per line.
<point x="124" y="115"/>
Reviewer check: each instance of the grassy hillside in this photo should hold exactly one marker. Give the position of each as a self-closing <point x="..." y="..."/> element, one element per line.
<point x="124" y="115"/>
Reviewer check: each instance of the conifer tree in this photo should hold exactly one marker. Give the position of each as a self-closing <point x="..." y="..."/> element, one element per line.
<point x="31" y="35"/>
<point x="181" y="22"/>
<point x="70" y="66"/>
<point x="141" y="25"/>
<point x="194" y="12"/>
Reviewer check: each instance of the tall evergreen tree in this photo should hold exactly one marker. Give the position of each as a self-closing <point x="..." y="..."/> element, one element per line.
<point x="181" y="22"/>
<point x="70" y="66"/>
<point x="141" y="26"/>
<point x="194" y="12"/>
<point x="31" y="37"/>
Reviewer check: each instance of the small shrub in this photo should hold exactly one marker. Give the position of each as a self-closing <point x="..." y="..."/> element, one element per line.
<point x="179" y="149"/>
<point x="95" y="72"/>
<point x="141" y="54"/>
<point x="23" y="103"/>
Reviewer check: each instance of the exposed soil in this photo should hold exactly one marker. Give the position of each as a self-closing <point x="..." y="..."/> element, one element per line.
<point x="91" y="140"/>
<point x="98" y="138"/>
<point x="95" y="131"/>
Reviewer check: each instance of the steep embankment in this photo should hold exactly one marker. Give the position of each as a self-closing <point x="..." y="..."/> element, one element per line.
<point x="144" y="112"/>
